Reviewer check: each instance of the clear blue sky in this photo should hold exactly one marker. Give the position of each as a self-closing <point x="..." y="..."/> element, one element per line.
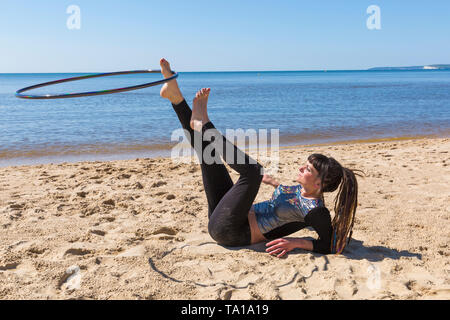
<point x="221" y="35"/>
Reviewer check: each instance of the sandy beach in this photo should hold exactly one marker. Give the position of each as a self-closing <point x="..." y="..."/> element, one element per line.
<point x="137" y="229"/>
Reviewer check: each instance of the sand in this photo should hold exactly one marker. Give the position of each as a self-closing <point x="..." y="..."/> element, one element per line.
<point x="137" y="229"/>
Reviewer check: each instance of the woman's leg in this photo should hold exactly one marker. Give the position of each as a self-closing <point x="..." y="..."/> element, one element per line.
<point x="216" y="179"/>
<point x="228" y="204"/>
<point x="228" y="222"/>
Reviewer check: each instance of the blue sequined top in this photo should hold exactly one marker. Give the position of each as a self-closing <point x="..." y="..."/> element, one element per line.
<point x="286" y="205"/>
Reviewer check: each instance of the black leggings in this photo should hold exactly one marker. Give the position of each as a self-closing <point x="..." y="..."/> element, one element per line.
<point x="228" y="203"/>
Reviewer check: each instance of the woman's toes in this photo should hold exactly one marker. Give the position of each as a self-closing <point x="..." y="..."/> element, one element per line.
<point x="164" y="63"/>
<point x="165" y="68"/>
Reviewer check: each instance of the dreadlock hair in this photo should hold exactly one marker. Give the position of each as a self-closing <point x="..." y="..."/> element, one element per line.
<point x="333" y="175"/>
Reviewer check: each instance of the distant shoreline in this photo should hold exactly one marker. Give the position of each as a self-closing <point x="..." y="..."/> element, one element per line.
<point x="413" y="68"/>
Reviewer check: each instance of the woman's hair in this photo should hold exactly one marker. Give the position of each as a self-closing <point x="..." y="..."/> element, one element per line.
<point x="332" y="175"/>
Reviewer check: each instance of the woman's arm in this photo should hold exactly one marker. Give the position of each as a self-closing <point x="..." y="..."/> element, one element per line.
<point x="284" y="245"/>
<point x="318" y="218"/>
<point x="268" y="179"/>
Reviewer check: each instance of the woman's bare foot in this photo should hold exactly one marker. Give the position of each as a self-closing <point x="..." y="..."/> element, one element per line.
<point x="170" y="90"/>
<point x="199" y="111"/>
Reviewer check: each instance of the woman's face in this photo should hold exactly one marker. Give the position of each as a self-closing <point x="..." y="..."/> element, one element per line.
<point x="308" y="177"/>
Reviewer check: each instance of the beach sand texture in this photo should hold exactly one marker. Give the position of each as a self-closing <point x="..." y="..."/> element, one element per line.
<point x="137" y="229"/>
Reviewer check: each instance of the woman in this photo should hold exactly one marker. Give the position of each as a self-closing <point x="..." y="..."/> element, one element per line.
<point x="234" y="220"/>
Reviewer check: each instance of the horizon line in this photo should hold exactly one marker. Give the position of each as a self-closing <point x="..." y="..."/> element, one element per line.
<point x="230" y="71"/>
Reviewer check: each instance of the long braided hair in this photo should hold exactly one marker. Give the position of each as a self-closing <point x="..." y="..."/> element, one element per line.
<point x="332" y="175"/>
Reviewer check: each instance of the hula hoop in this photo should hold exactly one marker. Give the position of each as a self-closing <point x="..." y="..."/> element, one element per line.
<point x="92" y="93"/>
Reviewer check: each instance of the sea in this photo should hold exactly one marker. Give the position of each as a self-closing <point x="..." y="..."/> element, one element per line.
<point x="303" y="107"/>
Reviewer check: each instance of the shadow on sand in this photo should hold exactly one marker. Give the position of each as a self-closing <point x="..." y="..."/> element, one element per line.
<point x="356" y="250"/>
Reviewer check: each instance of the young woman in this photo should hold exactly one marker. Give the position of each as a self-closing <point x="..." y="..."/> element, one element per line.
<point x="233" y="218"/>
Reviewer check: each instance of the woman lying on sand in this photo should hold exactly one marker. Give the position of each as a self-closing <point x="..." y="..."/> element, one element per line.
<point x="233" y="218"/>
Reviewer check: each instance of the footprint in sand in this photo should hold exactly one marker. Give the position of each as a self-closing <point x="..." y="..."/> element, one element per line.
<point x="345" y="288"/>
<point x="98" y="232"/>
<point x="137" y="251"/>
<point x="224" y="293"/>
<point x="82" y="194"/>
<point x="77" y="252"/>
<point x="159" y="184"/>
<point x="109" y="203"/>
<point x="9" y="266"/>
<point x="165" y="230"/>
<point x="170" y="197"/>
<point x="165" y="233"/>
<point x="301" y="284"/>
<point x="138" y="185"/>
<point x="16" y="206"/>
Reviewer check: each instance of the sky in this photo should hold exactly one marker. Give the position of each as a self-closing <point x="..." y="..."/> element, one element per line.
<point x="226" y="35"/>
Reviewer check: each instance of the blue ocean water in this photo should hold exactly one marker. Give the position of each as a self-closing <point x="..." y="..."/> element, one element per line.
<point x="306" y="106"/>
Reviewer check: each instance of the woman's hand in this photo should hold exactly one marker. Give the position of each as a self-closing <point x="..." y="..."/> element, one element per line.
<point x="284" y="245"/>
<point x="268" y="179"/>
<point x="280" y="247"/>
